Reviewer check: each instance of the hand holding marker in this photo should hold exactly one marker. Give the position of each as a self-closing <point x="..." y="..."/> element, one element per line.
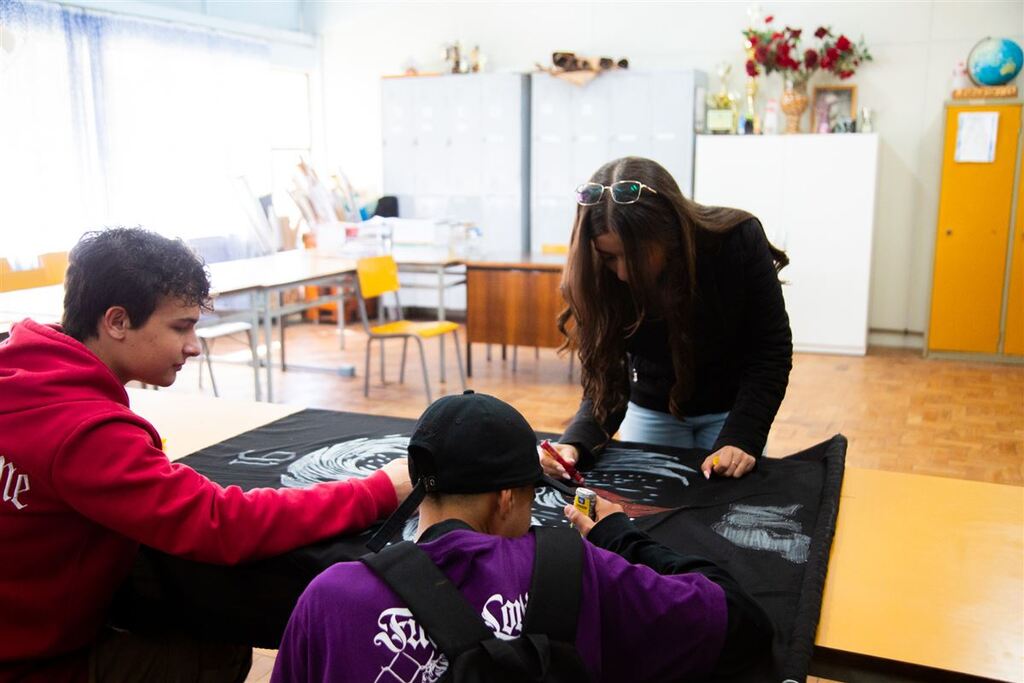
<point x="714" y="463"/>
<point x="569" y="467"/>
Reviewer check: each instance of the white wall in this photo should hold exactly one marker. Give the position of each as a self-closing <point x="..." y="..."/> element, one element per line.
<point x="915" y="45"/>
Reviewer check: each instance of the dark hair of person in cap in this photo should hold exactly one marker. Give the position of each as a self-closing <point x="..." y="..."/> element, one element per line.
<point x="463" y="446"/>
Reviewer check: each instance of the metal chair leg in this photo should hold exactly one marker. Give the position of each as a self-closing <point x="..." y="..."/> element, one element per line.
<point x="282" y="322"/>
<point x="401" y="372"/>
<point x="426" y="377"/>
<point x="382" y="379"/>
<point x="515" y="358"/>
<point x="206" y="353"/>
<point x="440" y="344"/>
<point x="458" y="357"/>
<point x="255" y="353"/>
<point x="488" y="353"/>
<point x="366" y="374"/>
<point x="209" y="366"/>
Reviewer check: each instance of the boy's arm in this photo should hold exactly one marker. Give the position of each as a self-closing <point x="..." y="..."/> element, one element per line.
<point x="113" y="474"/>
<point x="749" y="632"/>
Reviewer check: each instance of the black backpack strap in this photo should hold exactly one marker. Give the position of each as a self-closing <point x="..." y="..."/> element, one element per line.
<point x="437" y="604"/>
<point x="556" y="585"/>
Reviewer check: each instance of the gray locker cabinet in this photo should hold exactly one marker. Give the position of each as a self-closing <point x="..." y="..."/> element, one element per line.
<point x="456" y="147"/>
<point x="621" y="113"/>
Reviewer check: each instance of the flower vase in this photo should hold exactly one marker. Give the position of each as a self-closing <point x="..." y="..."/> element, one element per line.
<point x="794" y="103"/>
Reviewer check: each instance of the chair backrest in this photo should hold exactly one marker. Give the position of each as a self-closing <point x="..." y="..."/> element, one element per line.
<point x="11" y="279"/>
<point x="554" y="248"/>
<point x="56" y="265"/>
<point x="377" y="275"/>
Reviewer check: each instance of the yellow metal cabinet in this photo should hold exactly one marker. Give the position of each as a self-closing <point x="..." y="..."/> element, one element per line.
<point x="975" y="205"/>
<point x="1014" y="339"/>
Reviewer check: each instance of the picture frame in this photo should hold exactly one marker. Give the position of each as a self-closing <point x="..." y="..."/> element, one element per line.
<point x="834" y="109"/>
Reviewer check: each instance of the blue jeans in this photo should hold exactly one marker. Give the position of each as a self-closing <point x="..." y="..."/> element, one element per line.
<point x="655" y="427"/>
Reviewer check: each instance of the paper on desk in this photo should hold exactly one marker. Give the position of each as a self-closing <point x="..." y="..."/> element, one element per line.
<point x="976" y="137"/>
<point x="413" y="230"/>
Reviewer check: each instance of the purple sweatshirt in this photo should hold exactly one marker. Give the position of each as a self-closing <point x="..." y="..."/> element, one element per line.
<point x="634" y="624"/>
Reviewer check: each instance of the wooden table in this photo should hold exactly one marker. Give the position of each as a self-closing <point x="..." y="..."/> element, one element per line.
<point x="265" y="278"/>
<point x="513" y="300"/>
<point x="190" y="423"/>
<point x="44" y="304"/>
<point x="927" y="571"/>
<point x="262" y="277"/>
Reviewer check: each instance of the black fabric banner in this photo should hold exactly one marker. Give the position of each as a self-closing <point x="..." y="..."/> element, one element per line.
<point x="772" y="529"/>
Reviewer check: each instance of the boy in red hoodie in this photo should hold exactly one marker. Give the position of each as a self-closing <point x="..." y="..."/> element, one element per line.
<point x="83" y="479"/>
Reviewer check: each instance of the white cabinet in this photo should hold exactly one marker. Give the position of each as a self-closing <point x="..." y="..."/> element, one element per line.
<point x="455" y="147"/>
<point x="575" y="130"/>
<point x="815" y="196"/>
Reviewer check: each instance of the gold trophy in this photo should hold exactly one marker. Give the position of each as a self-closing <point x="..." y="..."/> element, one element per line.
<point x="722" y="113"/>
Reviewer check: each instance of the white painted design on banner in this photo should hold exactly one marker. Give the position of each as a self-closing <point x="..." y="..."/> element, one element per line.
<point x="355" y="458"/>
<point x="766" y="527"/>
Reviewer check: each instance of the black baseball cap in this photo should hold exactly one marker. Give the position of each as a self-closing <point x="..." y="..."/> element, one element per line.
<point x="468" y="443"/>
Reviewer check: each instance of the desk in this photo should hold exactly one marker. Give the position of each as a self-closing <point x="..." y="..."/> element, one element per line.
<point x="928" y="571"/>
<point x="947" y="597"/>
<point x="266" y="276"/>
<point x="513" y="300"/>
<point x="191" y="423"/>
<point x="261" y="277"/>
<point x="44" y="304"/>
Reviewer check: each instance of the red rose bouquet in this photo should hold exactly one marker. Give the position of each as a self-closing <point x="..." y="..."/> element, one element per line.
<point x="779" y="51"/>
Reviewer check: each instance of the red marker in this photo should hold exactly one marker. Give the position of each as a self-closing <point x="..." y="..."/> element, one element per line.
<point x="569" y="468"/>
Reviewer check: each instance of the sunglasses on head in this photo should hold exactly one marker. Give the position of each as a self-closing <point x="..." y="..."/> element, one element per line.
<point x="622" y="192"/>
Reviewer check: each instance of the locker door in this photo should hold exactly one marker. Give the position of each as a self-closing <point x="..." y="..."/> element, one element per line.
<point x="398" y="135"/>
<point x="1014" y="341"/>
<point x="464" y="135"/>
<point x="591" y="115"/>
<point x="502" y="225"/>
<point x="672" y="125"/>
<point x="972" y="234"/>
<point x="501" y="134"/>
<point x="432" y="118"/>
<point x="630" y="115"/>
<point x="551" y="129"/>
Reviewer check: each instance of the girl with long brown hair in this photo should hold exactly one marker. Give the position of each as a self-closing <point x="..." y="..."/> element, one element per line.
<point x="676" y="312"/>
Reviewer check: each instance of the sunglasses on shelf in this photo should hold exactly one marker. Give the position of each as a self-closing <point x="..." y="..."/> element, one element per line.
<point x="623" y="192"/>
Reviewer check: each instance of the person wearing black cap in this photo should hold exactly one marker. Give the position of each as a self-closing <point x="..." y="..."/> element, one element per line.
<point x="473" y="463"/>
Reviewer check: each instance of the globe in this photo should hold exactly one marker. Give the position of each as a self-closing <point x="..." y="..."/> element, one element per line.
<point x="995" y="61"/>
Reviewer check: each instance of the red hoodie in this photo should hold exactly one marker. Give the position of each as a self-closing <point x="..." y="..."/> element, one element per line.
<point x="83" y="482"/>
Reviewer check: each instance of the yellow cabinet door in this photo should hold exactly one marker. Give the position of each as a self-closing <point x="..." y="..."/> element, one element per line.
<point x="970" y="247"/>
<point x="1014" y="342"/>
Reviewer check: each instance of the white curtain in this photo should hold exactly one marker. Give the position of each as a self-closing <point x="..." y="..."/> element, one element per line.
<point x="112" y="120"/>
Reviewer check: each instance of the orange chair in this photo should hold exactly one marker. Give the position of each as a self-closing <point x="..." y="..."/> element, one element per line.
<point x="377" y="276"/>
<point x="56" y="265"/>
<point x="11" y="279"/>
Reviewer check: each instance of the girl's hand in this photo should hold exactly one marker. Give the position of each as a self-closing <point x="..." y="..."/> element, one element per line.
<point x="728" y="461"/>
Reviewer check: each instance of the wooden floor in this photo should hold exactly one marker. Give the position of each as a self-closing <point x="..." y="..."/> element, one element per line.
<point x="900" y="412"/>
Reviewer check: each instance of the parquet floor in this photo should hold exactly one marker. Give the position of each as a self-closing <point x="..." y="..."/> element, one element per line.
<point x="900" y="412"/>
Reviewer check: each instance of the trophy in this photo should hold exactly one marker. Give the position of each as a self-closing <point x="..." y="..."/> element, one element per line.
<point x="722" y="105"/>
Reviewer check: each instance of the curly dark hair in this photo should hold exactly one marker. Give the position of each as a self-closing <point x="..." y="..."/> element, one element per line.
<point x="602" y="312"/>
<point x="129" y="267"/>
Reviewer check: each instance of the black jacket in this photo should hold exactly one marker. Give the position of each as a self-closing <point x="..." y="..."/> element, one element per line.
<point x="749" y="632"/>
<point x="742" y="348"/>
